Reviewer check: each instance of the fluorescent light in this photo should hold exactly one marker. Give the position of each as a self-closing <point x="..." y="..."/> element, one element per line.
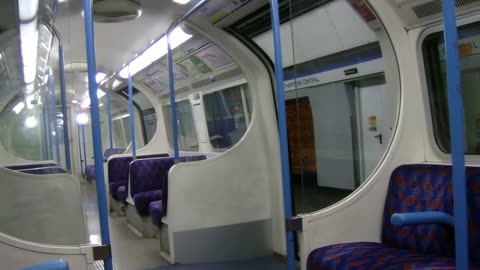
<point x="29" y="41"/>
<point x="19" y="107"/>
<point x="155" y="52"/>
<point x="100" y="93"/>
<point x="100" y="105"/>
<point x="100" y="77"/>
<point x="116" y="83"/>
<point x="82" y="118"/>
<point x="27" y="10"/>
<point x="181" y="2"/>
<point x="31" y="122"/>
<point x="74" y="101"/>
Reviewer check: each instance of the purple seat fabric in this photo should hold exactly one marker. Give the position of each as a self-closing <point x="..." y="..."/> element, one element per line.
<point x="156" y="212"/>
<point x="114" y="186"/>
<point x="412" y="188"/>
<point x="112" y="151"/>
<point x="118" y="169"/>
<point x="122" y="193"/>
<point x="143" y="199"/>
<point x="90" y="171"/>
<point x="148" y="174"/>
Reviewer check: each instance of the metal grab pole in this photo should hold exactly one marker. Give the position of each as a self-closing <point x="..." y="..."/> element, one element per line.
<point x="173" y="107"/>
<point x="96" y="132"/>
<point x="49" y="132"/>
<point x="132" y="115"/>
<point x="54" y="118"/>
<point x="282" y="126"/>
<point x="85" y="162"/>
<point x="80" y="149"/>
<point x="109" y="116"/>
<point x="455" y="104"/>
<point x="63" y="92"/>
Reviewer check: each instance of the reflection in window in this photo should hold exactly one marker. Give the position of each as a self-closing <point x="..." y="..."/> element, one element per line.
<point x="226" y="118"/>
<point x="341" y="90"/>
<point x="121" y="131"/>
<point x="469" y="38"/>
<point x="23" y="130"/>
<point x="186" y="131"/>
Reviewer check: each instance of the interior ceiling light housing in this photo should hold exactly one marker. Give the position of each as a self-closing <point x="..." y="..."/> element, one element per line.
<point x="114" y="11"/>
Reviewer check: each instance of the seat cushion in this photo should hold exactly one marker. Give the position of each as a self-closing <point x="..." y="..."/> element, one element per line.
<point x="142" y="200"/>
<point x="113" y="187"/>
<point x="122" y="194"/>
<point x="156" y="212"/>
<point x="368" y="255"/>
<point x="90" y="171"/>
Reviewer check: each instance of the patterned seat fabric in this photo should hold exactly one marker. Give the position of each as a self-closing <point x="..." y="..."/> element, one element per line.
<point x="156" y="212"/>
<point x="90" y="171"/>
<point x="412" y="188"/>
<point x="112" y="151"/>
<point x="142" y="201"/>
<point x="118" y="167"/>
<point x="114" y="186"/>
<point x="147" y="175"/>
<point x="122" y="193"/>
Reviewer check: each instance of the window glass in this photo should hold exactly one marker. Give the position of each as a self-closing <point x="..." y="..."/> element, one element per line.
<point x="226" y="118"/>
<point x="341" y="93"/>
<point x="434" y="54"/>
<point x="186" y="131"/>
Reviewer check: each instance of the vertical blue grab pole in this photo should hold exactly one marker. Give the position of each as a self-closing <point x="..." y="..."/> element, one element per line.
<point x="455" y="102"/>
<point x="80" y="149"/>
<point x="109" y="116"/>
<point x="282" y="126"/>
<point x="63" y="94"/>
<point x="54" y="118"/>
<point x="96" y="132"/>
<point x="85" y="162"/>
<point x="173" y="106"/>
<point x="132" y="115"/>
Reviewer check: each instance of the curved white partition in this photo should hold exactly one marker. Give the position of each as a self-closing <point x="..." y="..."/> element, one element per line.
<point x="42" y="208"/>
<point x="230" y="206"/>
<point x="16" y="253"/>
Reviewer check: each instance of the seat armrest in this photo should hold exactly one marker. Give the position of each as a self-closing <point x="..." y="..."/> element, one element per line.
<point x="417" y="218"/>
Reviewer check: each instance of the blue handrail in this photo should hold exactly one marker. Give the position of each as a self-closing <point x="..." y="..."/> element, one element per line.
<point x="132" y="115"/>
<point x="96" y="131"/>
<point x="455" y="106"/>
<point x="79" y="135"/>
<point x="85" y="162"/>
<point x="282" y="127"/>
<point x="53" y="265"/>
<point x="173" y="105"/>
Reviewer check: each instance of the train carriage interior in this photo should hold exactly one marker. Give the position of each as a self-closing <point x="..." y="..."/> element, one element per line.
<point x="239" y="134"/>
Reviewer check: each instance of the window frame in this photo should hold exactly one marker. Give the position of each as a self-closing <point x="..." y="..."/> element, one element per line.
<point x="435" y="152"/>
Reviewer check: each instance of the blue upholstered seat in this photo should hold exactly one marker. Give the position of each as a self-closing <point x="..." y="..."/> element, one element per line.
<point x="412" y="188"/>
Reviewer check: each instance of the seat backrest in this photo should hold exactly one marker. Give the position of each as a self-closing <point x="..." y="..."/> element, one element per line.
<point x="112" y="151"/>
<point x="118" y="167"/>
<point x="428" y="187"/>
<point x="165" y="180"/>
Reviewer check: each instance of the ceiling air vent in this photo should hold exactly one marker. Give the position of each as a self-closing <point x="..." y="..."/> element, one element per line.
<point x="114" y="11"/>
<point x="435" y="7"/>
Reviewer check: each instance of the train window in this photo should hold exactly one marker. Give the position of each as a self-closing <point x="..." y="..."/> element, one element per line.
<point x="434" y="54"/>
<point x="341" y="89"/>
<point x="186" y="131"/>
<point x="226" y="115"/>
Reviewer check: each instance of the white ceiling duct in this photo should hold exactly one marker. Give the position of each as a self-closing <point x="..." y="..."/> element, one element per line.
<point x="419" y="12"/>
<point x="114" y="11"/>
